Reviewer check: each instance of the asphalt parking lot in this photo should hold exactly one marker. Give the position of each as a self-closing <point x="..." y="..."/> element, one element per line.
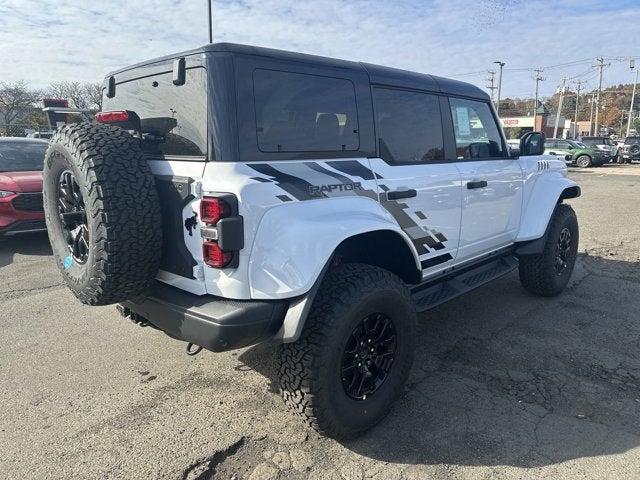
<point x="505" y="385"/>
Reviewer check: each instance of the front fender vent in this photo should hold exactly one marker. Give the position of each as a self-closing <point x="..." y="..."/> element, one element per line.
<point x="544" y="165"/>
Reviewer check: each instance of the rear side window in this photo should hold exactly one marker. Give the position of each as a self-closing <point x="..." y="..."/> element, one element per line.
<point x="409" y="126"/>
<point x="298" y="112"/>
<point x="174" y="117"/>
<point x="476" y="132"/>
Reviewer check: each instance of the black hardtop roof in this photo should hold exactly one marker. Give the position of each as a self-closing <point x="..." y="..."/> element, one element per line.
<point x="377" y="74"/>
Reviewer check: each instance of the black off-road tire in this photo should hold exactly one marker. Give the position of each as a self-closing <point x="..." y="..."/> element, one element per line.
<point x="311" y="376"/>
<point x="583" y="161"/>
<point x="123" y="220"/>
<point x="538" y="273"/>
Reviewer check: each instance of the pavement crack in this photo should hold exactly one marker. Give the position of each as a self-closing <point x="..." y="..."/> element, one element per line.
<point x="205" y="468"/>
<point x="35" y="289"/>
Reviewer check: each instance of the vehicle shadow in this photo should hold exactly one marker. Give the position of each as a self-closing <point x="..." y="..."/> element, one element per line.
<point x="505" y="378"/>
<point x="24" y="244"/>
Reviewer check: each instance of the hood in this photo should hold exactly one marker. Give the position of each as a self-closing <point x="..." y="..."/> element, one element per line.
<point x="21" y="181"/>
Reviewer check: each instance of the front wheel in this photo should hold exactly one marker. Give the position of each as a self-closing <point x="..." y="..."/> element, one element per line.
<point x="583" y="161"/>
<point x="355" y="352"/>
<point x="547" y="274"/>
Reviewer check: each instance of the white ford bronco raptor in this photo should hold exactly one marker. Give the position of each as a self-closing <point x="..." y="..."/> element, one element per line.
<point x="232" y="195"/>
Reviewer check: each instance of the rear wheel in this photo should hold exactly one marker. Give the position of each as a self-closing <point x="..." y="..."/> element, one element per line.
<point x="355" y="352"/>
<point x="102" y="213"/>
<point x="548" y="273"/>
<point x="583" y="161"/>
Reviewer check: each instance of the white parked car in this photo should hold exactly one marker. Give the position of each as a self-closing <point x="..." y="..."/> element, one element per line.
<point x="233" y="195"/>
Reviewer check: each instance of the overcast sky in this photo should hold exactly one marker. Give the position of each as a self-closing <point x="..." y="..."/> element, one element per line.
<point x="46" y="40"/>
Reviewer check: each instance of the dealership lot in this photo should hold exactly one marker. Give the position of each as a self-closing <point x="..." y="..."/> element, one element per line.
<point x="505" y="385"/>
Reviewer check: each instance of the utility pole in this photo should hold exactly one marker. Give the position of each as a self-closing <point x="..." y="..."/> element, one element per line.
<point x="501" y="64"/>
<point x="491" y="85"/>
<point x="210" y="24"/>
<point x="579" y="84"/>
<point x="562" y="90"/>
<point x="538" y="78"/>
<point x="633" y="97"/>
<point x="592" y="101"/>
<point x="600" y="66"/>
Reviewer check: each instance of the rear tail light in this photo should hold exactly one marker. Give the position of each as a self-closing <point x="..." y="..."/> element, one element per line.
<point x="214" y="256"/>
<point x="115" y="116"/>
<point x="213" y="209"/>
<point x="223" y="231"/>
<point x="126" y="119"/>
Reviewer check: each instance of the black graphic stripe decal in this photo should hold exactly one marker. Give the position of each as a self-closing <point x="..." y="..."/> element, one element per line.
<point x="433" y="261"/>
<point x="355" y="168"/>
<point x="295" y="186"/>
<point x="345" y="180"/>
<point x="260" y="179"/>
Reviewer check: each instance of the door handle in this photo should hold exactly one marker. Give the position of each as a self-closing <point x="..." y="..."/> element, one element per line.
<point x="477" y="184"/>
<point x="398" y="194"/>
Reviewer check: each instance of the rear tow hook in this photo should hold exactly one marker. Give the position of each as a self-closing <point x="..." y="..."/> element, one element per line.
<point x="193" y="350"/>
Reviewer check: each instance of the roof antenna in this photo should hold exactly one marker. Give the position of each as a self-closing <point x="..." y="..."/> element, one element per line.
<point x="210" y="25"/>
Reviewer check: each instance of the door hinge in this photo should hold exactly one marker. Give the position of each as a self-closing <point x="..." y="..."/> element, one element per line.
<point x="196" y="189"/>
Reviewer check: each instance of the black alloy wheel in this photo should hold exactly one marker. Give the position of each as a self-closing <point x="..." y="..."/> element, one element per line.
<point x="368" y="356"/>
<point x="73" y="216"/>
<point x="563" y="250"/>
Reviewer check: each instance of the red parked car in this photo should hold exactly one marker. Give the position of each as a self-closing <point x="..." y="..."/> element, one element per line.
<point x="21" y="161"/>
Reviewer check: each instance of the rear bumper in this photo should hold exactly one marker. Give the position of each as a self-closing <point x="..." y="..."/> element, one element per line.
<point x="217" y="324"/>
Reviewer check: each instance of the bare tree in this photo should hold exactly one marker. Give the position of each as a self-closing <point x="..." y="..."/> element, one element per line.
<point x="17" y="100"/>
<point x="93" y="92"/>
<point x="86" y="96"/>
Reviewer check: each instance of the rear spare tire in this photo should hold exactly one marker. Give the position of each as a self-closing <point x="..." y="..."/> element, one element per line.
<point x="102" y="212"/>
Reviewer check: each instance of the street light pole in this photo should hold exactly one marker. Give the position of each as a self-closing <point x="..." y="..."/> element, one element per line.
<point x="501" y="64"/>
<point x="592" y="101"/>
<point x="210" y="25"/>
<point x="633" y="97"/>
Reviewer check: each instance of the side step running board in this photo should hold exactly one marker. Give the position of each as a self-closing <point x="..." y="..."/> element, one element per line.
<point x="433" y="293"/>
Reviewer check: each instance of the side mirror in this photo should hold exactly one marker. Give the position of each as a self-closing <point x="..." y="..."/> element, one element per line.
<point x="532" y="143"/>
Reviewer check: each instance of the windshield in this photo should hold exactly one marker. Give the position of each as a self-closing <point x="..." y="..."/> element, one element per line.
<point x="577" y="144"/>
<point x="19" y="156"/>
<point x="632" y="140"/>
